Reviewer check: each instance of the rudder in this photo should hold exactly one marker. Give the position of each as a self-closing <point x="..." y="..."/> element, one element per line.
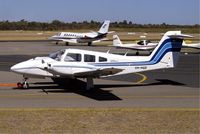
<point x="104" y="28"/>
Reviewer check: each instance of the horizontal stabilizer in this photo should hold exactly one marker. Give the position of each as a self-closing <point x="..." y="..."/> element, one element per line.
<point x="177" y="34"/>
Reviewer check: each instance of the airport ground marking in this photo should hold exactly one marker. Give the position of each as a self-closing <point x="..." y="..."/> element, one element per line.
<point x="8" y="84"/>
<point x="144" y="77"/>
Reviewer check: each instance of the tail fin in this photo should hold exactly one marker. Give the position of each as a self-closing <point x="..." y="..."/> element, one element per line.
<point x="168" y="49"/>
<point x="104" y="28"/>
<point x="116" y="41"/>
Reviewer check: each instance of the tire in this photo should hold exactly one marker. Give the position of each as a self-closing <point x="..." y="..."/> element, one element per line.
<point x="19" y="85"/>
<point x="89" y="43"/>
<point x="26" y="86"/>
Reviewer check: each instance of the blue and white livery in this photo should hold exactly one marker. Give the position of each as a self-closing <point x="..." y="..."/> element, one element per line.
<point x="76" y="63"/>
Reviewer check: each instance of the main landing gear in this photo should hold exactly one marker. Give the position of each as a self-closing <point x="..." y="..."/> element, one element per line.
<point x="90" y="83"/>
<point x="24" y="84"/>
<point x="89" y="43"/>
<point x="137" y="53"/>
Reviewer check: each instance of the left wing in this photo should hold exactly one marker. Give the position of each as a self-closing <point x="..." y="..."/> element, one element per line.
<point x="98" y="72"/>
<point x="90" y="35"/>
<point x="58" y="70"/>
<point x="137" y="47"/>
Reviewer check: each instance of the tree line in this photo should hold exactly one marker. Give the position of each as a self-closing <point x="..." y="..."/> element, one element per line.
<point x="59" y="25"/>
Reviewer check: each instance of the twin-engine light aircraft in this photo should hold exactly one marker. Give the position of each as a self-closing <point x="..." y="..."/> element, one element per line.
<point x="75" y="63"/>
<point x="90" y="37"/>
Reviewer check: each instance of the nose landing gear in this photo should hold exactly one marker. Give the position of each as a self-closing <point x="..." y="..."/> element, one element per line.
<point x="24" y="84"/>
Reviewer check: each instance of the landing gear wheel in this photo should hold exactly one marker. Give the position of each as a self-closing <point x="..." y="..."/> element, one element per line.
<point x="19" y="85"/>
<point x="22" y="85"/>
<point x="89" y="43"/>
<point x="57" y="43"/>
<point x="137" y="53"/>
<point x="25" y="85"/>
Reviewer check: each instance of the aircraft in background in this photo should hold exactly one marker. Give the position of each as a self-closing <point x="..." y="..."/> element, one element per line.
<point x="191" y="45"/>
<point x="144" y="45"/>
<point x="70" y="37"/>
<point x="76" y="63"/>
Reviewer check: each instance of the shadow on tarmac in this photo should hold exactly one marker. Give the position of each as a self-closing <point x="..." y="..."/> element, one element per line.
<point x="97" y="93"/>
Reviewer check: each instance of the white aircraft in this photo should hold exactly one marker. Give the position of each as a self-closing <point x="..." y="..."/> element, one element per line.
<point x="75" y="63"/>
<point x="144" y="45"/>
<point x="90" y="37"/>
<point x="192" y="45"/>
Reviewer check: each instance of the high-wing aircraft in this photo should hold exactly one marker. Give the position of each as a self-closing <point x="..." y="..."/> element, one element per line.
<point x="76" y="63"/>
<point x="89" y="37"/>
<point x="141" y="45"/>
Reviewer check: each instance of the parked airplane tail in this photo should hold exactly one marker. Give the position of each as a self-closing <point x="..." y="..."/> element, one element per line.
<point x="104" y="28"/>
<point x="116" y="41"/>
<point x="168" y="49"/>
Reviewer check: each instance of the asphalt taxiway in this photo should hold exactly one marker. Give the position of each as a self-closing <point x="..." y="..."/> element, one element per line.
<point x="166" y="88"/>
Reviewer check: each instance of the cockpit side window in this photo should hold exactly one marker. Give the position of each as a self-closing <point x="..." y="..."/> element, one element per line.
<point x="73" y="57"/>
<point x="89" y="58"/>
<point x="57" y="55"/>
<point x="58" y="34"/>
<point x="148" y="41"/>
<point x="102" y="59"/>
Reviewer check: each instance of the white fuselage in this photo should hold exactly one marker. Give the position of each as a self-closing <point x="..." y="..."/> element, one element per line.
<point x="77" y="37"/>
<point x="141" y="45"/>
<point x="192" y="45"/>
<point x="148" y="46"/>
<point x="86" y="61"/>
<point x="83" y="37"/>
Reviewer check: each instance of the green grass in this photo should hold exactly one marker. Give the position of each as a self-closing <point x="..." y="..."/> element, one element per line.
<point x="102" y="120"/>
<point x="44" y="35"/>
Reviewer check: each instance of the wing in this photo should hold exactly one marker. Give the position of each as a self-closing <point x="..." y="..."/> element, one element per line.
<point x="98" y="73"/>
<point x="67" y="40"/>
<point x="90" y="35"/>
<point x="137" y="47"/>
<point x="79" y="73"/>
<point x="70" y="40"/>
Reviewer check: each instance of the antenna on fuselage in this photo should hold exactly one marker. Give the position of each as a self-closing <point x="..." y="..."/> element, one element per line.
<point x="108" y="51"/>
<point x="126" y="53"/>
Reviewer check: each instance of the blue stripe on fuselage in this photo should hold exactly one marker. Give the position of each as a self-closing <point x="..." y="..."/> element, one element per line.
<point x="169" y="45"/>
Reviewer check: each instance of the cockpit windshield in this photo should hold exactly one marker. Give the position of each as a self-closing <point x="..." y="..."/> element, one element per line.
<point x="141" y="42"/>
<point x="144" y="42"/>
<point x="57" y="55"/>
<point x="59" y="34"/>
